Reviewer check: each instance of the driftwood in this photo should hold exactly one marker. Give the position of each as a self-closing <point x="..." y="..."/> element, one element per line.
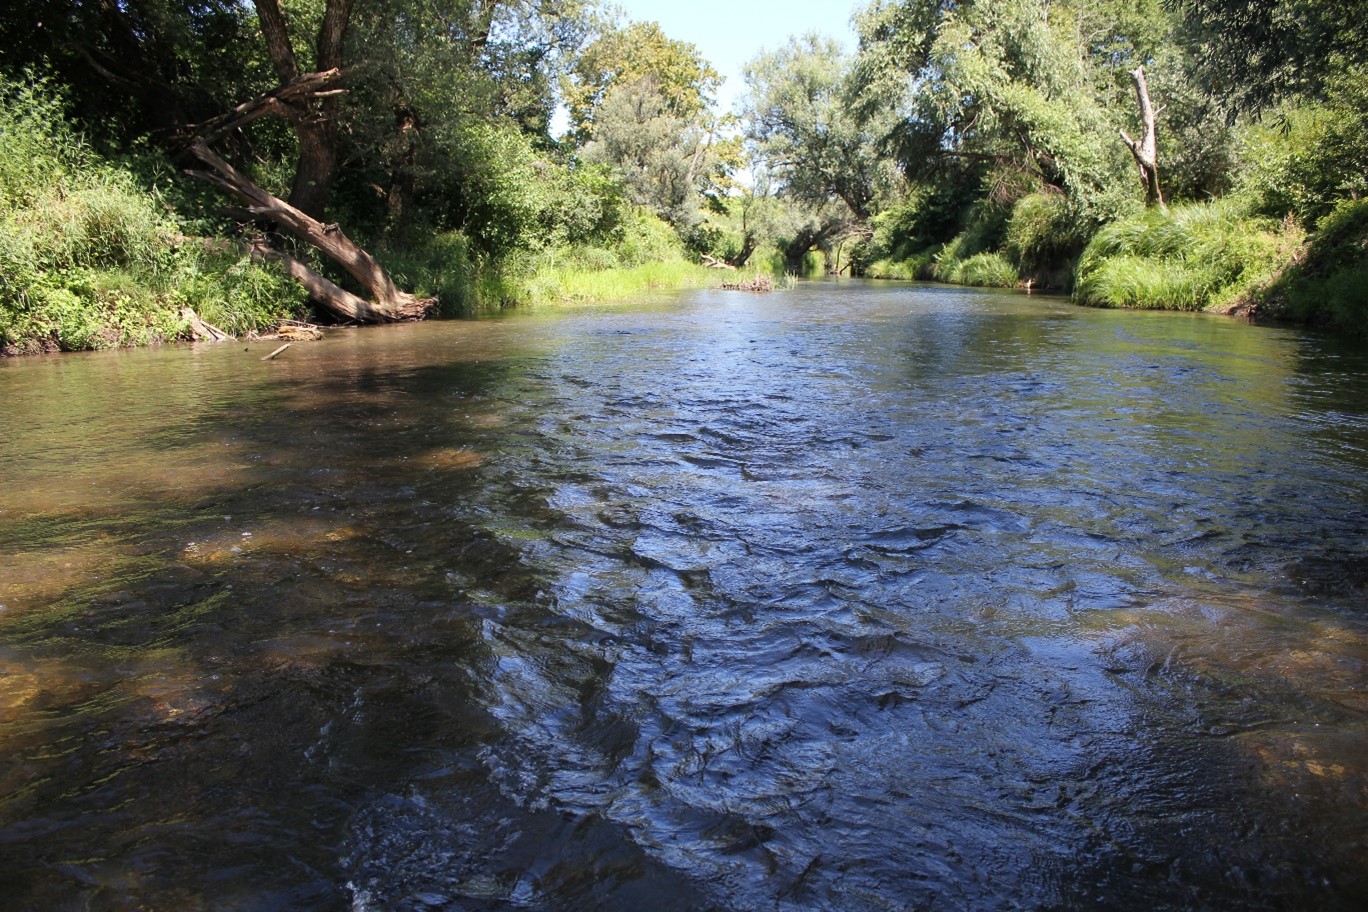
<point x="296" y="331"/>
<point x="759" y="283"/>
<point x="203" y="332"/>
<point x="276" y="352"/>
<point x="714" y="263"/>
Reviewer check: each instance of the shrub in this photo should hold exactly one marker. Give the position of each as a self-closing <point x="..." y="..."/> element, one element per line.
<point x="1194" y="257"/>
<point x="1329" y="282"/>
<point x="1044" y="234"/>
<point x="90" y="259"/>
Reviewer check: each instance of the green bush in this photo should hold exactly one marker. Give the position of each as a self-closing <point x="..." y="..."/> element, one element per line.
<point x="89" y="259"/>
<point x="1194" y="257"/>
<point x="1311" y="156"/>
<point x="1044" y="235"/>
<point x="644" y="237"/>
<point x="1328" y="284"/>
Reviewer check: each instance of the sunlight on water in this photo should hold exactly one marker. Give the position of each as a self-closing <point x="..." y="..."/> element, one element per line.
<point x="848" y="597"/>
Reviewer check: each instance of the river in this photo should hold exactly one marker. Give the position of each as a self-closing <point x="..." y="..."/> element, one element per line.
<point x="852" y="597"/>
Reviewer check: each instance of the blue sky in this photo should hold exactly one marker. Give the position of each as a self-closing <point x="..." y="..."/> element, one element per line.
<point x="729" y="33"/>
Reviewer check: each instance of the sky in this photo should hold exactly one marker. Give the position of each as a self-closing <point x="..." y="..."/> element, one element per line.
<point x="729" y="33"/>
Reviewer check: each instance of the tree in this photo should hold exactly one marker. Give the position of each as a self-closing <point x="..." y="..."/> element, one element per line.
<point x="1146" y="148"/>
<point x="622" y="56"/>
<point x="1253" y="52"/>
<point x="664" y="159"/>
<point x="800" y="118"/>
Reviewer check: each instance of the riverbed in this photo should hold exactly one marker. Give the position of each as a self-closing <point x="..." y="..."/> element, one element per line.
<point x="854" y="596"/>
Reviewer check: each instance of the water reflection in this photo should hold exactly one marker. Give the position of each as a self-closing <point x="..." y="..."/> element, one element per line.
<point x="857" y="597"/>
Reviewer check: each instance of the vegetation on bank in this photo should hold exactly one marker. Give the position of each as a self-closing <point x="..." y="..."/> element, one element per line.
<point x="1134" y="154"/>
<point x="91" y="259"/>
<point x="1011" y="132"/>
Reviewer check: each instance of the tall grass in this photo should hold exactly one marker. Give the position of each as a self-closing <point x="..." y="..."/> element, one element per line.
<point x="1194" y="257"/>
<point x="919" y="265"/>
<point x="985" y="270"/>
<point x="89" y="259"/>
<point x="577" y="285"/>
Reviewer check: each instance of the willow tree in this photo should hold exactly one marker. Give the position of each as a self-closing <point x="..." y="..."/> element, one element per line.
<point x="624" y="55"/>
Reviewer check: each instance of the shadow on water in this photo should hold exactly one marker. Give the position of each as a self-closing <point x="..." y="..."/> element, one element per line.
<point x="867" y="598"/>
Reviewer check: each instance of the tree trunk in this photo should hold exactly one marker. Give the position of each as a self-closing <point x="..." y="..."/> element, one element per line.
<point x="1145" y="149"/>
<point x="742" y="257"/>
<point x="388" y="303"/>
<point x="316" y="129"/>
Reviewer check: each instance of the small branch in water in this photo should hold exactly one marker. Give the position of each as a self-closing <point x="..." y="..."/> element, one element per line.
<point x="276" y="352"/>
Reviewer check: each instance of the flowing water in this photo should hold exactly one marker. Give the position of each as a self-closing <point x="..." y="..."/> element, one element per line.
<point x="850" y="597"/>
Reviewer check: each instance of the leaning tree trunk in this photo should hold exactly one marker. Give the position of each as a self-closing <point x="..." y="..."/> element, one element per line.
<point x="1145" y="150"/>
<point x="387" y="305"/>
<point x="742" y="256"/>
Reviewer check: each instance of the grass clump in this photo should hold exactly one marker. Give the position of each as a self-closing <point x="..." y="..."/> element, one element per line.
<point x="920" y="265"/>
<point x="1200" y="256"/>
<point x="985" y="270"/>
<point x="576" y="285"/>
<point x="90" y="259"/>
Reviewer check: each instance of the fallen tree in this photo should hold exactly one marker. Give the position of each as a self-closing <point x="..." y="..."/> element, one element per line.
<point x="387" y="303"/>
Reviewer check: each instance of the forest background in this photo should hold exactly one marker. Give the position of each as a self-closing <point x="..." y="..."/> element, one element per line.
<point x="167" y="166"/>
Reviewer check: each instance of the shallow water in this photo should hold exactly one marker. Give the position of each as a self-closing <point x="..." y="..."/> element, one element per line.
<point x="852" y="596"/>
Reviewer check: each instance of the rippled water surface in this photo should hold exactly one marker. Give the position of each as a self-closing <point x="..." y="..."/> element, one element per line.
<point x="848" y="597"/>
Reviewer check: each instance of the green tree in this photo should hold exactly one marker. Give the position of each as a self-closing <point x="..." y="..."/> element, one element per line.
<point x="800" y="117"/>
<point x="1253" y="52"/>
<point x="665" y="160"/>
<point x="625" y="55"/>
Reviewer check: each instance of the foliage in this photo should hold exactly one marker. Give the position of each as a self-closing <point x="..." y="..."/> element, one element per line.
<point x="982" y="269"/>
<point x="664" y="159"/>
<point x="1312" y="156"/>
<point x="623" y="55"/>
<point x="917" y="266"/>
<point x="1255" y="52"/>
<point x="1000" y="82"/>
<point x="1044" y="235"/>
<point x="1328" y="282"/>
<point x="577" y="285"/>
<point x="800" y="119"/>
<point x="1197" y="256"/>
<point x="90" y="259"/>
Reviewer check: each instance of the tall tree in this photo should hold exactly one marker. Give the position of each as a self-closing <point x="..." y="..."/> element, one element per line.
<point x="800" y="117"/>
<point x="315" y="117"/>
<point x="1253" y="52"/>
<point x="664" y="159"/>
<point x="624" y="55"/>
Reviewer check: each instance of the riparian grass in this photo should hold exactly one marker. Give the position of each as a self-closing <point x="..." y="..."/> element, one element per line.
<point x="578" y="285"/>
<point x="1196" y="256"/>
<point x="91" y="259"/>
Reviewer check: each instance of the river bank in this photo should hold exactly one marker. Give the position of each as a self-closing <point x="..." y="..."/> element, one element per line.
<point x="1216" y="257"/>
